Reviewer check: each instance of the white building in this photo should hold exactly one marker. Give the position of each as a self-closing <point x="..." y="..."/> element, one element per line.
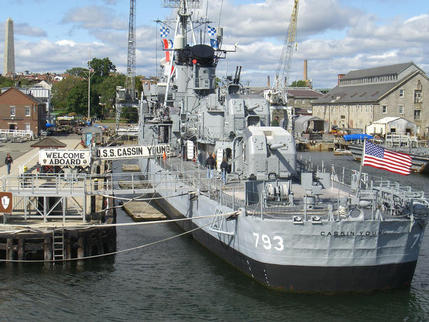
<point x="392" y="125"/>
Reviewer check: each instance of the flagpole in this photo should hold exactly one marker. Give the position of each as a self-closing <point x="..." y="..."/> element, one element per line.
<point x="361" y="164"/>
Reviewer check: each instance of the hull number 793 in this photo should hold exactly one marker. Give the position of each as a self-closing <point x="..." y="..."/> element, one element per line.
<point x="276" y="242"/>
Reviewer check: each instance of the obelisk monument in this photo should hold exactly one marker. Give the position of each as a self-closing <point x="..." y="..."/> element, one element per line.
<point x="9" y="50"/>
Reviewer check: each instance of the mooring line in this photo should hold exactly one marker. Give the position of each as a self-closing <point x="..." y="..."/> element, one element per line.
<point x="123" y="250"/>
<point x="228" y="214"/>
<point x="138" y="198"/>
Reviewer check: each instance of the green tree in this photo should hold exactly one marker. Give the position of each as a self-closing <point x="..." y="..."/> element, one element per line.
<point x="101" y="69"/>
<point x="138" y="85"/>
<point x="61" y="91"/>
<point x="299" y="83"/>
<point x="6" y="82"/>
<point x="131" y="114"/>
<point x="78" y="72"/>
<point x="107" y="92"/>
<point x="77" y="98"/>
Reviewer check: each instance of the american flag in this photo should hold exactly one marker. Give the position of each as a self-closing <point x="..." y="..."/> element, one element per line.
<point x="378" y="157"/>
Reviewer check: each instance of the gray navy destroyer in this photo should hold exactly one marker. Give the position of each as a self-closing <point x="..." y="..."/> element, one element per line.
<point x="286" y="225"/>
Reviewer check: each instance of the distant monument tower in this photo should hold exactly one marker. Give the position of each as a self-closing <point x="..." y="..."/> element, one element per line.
<point x="9" y="50"/>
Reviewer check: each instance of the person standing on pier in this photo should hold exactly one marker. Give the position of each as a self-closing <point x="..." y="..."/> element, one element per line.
<point x="224" y="169"/>
<point x="8" y="161"/>
<point x="211" y="165"/>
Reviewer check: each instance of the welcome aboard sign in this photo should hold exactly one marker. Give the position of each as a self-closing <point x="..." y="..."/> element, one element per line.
<point x="66" y="158"/>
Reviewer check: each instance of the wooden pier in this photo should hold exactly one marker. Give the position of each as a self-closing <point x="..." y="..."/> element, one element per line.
<point x="143" y="210"/>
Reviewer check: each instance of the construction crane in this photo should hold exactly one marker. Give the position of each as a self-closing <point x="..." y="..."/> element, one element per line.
<point x="128" y="97"/>
<point x="131" y="59"/>
<point x="278" y="94"/>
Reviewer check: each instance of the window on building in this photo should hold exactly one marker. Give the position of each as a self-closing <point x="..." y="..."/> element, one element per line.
<point x="27" y="111"/>
<point x="12" y="111"/>
<point x="27" y="127"/>
<point x="401" y="109"/>
<point x="417" y="114"/>
<point x="384" y="109"/>
<point x="343" y="117"/>
<point x="401" y="92"/>
<point x="417" y="96"/>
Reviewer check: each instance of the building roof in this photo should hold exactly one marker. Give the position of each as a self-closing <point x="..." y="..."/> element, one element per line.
<point x="370" y="92"/>
<point x="367" y="93"/>
<point x="377" y="71"/>
<point x="303" y="93"/>
<point x="43" y="84"/>
<point x="11" y="89"/>
<point x="386" y="120"/>
<point x="49" y="142"/>
<point x="356" y="94"/>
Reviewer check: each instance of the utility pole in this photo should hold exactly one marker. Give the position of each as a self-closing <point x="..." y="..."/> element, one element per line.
<point x="89" y="92"/>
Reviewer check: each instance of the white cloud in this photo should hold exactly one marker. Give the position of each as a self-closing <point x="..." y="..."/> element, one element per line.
<point x="334" y="36"/>
<point x="65" y="42"/>
<point x="27" y="30"/>
<point x="94" y="17"/>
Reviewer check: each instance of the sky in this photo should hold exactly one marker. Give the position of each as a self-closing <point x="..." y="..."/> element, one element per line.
<point x="335" y="36"/>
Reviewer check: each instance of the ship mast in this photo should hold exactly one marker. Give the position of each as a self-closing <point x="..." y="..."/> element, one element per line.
<point x="180" y="32"/>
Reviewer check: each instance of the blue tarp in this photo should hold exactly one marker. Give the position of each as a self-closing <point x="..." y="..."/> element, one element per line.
<point x="48" y="125"/>
<point x="351" y="137"/>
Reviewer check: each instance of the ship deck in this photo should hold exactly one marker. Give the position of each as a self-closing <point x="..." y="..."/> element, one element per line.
<point x="318" y="204"/>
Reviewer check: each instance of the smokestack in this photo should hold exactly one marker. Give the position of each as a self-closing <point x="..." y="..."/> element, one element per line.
<point x="305" y="71"/>
<point x="340" y="76"/>
<point x="268" y="81"/>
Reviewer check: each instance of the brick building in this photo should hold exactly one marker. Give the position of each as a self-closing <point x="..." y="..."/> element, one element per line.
<point x="19" y="111"/>
<point x="364" y="96"/>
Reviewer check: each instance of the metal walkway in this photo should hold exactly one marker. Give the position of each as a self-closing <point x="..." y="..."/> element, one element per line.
<point x="67" y="197"/>
<point x="72" y="185"/>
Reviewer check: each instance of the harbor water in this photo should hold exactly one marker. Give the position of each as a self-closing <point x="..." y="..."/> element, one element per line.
<point x="180" y="280"/>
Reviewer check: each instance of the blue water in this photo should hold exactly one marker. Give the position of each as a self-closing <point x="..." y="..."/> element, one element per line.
<point x="180" y="280"/>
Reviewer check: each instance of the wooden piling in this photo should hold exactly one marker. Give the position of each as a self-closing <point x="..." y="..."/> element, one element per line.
<point x="47" y="248"/>
<point x="81" y="248"/>
<point x="9" y="249"/>
<point x="20" y="248"/>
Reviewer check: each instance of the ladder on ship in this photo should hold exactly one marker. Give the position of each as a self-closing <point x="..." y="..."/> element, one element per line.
<point x="58" y="244"/>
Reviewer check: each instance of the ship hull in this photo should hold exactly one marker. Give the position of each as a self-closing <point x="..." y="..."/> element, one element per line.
<point x="325" y="256"/>
<point x="299" y="278"/>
